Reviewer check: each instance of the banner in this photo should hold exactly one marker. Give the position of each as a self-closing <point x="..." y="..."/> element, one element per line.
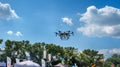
<point x="44" y="53"/>
<point x="49" y="57"/>
<point x="43" y="63"/>
<point x="17" y="60"/>
<point x="8" y="62"/>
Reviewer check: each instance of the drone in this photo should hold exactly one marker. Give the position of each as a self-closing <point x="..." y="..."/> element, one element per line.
<point x="64" y="35"/>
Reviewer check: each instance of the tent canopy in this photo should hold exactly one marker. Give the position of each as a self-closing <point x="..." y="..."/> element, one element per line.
<point x="26" y="64"/>
<point x="59" y="65"/>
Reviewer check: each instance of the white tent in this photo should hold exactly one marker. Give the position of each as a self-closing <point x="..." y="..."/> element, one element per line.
<point x="2" y="64"/>
<point x="26" y="64"/>
<point x="59" y="65"/>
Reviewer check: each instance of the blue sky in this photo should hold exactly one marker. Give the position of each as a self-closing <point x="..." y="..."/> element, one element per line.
<point x="93" y="22"/>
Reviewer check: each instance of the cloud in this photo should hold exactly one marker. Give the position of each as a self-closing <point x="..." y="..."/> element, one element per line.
<point x="101" y="22"/>
<point x="115" y="51"/>
<point x="18" y="34"/>
<point x="67" y="20"/>
<point x="2" y="48"/>
<point x="6" y="12"/>
<point x="108" y="52"/>
<point x="10" y="32"/>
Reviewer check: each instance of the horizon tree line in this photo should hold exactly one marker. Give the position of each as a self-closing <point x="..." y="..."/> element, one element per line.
<point x="17" y="49"/>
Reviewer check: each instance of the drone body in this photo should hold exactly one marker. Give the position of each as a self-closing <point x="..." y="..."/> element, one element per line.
<point x="64" y="35"/>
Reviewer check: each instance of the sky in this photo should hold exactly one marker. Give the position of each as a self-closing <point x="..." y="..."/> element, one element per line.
<point x="95" y="23"/>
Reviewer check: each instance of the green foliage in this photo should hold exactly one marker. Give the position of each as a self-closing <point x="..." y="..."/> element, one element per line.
<point x="17" y="49"/>
<point x="54" y="49"/>
<point x="107" y="64"/>
<point x="115" y="59"/>
<point x="90" y="57"/>
<point x="1" y="40"/>
<point x="36" y="52"/>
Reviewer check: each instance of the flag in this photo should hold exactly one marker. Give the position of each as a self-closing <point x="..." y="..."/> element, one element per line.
<point x="44" y="53"/>
<point x="63" y="61"/>
<point x="43" y="63"/>
<point x="8" y="62"/>
<point x="49" y="57"/>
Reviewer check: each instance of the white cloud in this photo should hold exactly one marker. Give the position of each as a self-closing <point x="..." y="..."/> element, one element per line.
<point x="108" y="52"/>
<point x="10" y="32"/>
<point x="6" y="12"/>
<point x="67" y="20"/>
<point x="2" y="48"/>
<point x="101" y="22"/>
<point x="115" y="51"/>
<point x="18" y="34"/>
<point x="103" y="51"/>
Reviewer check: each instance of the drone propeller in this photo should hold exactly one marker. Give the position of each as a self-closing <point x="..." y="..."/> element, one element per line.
<point x="72" y="33"/>
<point x="59" y="31"/>
<point x="56" y="33"/>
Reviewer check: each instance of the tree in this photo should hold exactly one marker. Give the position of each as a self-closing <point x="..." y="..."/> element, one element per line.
<point x="55" y="50"/>
<point x="84" y="60"/>
<point x="1" y="40"/>
<point x="36" y="52"/>
<point x="69" y="55"/>
<point x="1" y="51"/>
<point x="115" y="59"/>
<point x="93" y="56"/>
<point x="107" y="64"/>
<point x="15" y="49"/>
<point x="18" y="49"/>
<point x="8" y="48"/>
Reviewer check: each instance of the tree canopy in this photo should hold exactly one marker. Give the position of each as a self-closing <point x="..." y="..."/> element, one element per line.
<point x="18" y="49"/>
